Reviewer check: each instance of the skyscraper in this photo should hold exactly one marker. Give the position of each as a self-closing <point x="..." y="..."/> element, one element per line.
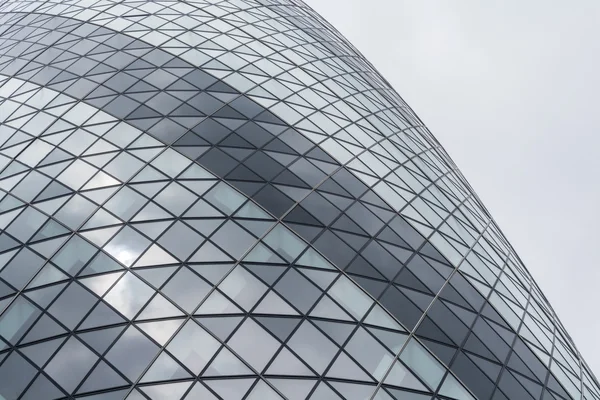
<point x="225" y="200"/>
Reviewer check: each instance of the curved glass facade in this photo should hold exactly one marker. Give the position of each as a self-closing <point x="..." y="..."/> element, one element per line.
<point x="224" y="200"/>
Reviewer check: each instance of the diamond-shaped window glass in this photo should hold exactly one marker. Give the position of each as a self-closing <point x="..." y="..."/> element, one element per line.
<point x="350" y="297"/>
<point x="254" y="344"/>
<point x="285" y="243"/>
<point x="19" y="317"/>
<point x="74" y="255"/>
<point x="422" y="363"/>
<point x="313" y="347"/>
<point x="225" y="198"/>
<point x="186" y="289"/>
<point x="21" y="268"/>
<point x="15" y="374"/>
<point x="125" y="203"/>
<point x="75" y="211"/>
<point x="180" y="240"/>
<point x="233" y="239"/>
<point x="175" y="198"/>
<point x="70" y="365"/>
<point x="127" y="246"/>
<point x="243" y="288"/>
<point x="124" y="166"/>
<point x="129" y="295"/>
<point x="76" y="174"/>
<point x="194" y="347"/>
<point x="132" y="353"/>
<point x="72" y="305"/>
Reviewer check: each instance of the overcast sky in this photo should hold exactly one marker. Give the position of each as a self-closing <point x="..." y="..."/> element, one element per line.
<point x="511" y="90"/>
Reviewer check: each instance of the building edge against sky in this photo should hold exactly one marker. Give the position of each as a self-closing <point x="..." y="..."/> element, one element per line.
<point x="225" y="200"/>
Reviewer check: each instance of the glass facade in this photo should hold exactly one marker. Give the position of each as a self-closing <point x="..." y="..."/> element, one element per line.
<point x="224" y="200"/>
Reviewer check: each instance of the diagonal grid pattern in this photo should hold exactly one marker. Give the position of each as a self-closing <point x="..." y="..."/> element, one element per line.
<point x="236" y="174"/>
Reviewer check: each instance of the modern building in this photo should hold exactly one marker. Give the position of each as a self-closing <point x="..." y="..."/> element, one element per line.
<point x="225" y="200"/>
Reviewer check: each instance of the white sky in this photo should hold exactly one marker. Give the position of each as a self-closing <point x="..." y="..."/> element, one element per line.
<point x="511" y="91"/>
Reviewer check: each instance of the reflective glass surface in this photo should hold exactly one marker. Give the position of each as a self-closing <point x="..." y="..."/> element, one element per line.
<point x="224" y="200"/>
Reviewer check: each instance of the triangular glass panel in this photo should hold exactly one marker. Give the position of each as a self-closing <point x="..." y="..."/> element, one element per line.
<point x="99" y="161"/>
<point x="400" y="376"/>
<point x="212" y="272"/>
<point x="205" y="226"/>
<point x="152" y="229"/>
<point x="285" y="363"/>
<point x="7" y="218"/>
<point x="42" y="388"/>
<point x="101" y="339"/>
<point x="262" y="391"/>
<point x="442" y="351"/>
<point x="251" y="210"/>
<point x="44" y="328"/>
<point x="216" y="303"/>
<point x="114" y="395"/>
<point x="99" y="237"/>
<point x="49" y="230"/>
<point x="151" y="212"/>
<point x="200" y="392"/>
<point x="165" y="368"/>
<point x="48" y="247"/>
<point x="476" y="346"/>
<point x="378" y="317"/>
<point x="99" y="196"/>
<point x="149" y="189"/>
<point x="202" y="209"/>
<point x="268" y="273"/>
<point x="422" y="300"/>
<point x="100" y="284"/>
<point x="100" y="263"/>
<point x="100" y="219"/>
<point x="326" y="308"/>
<point x="102" y="377"/>
<point x="257" y="228"/>
<point x="230" y="389"/>
<point x="272" y="303"/>
<point x="161" y="331"/>
<point x="157" y="276"/>
<point x="311" y="258"/>
<point x="55" y="189"/>
<point x="159" y="307"/>
<point x="293" y="389"/>
<point x="41" y="352"/>
<point x="492" y="370"/>
<point x="102" y="315"/>
<point x="169" y="391"/>
<point x="351" y="391"/>
<point x="383" y="395"/>
<point x="55" y="169"/>
<point x="422" y="363"/>
<point x="48" y="274"/>
<point x="221" y="327"/>
<point x="324" y="392"/>
<point x="391" y="339"/>
<point x="337" y="331"/>
<point x="279" y="327"/>
<point x="101" y="180"/>
<point x="155" y="255"/>
<point x="6" y="257"/>
<point x="209" y="252"/>
<point x="452" y="388"/>
<point x="226" y="364"/>
<point x="262" y="254"/>
<point x="345" y="368"/>
<point x="322" y="278"/>
<point x="406" y="395"/>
